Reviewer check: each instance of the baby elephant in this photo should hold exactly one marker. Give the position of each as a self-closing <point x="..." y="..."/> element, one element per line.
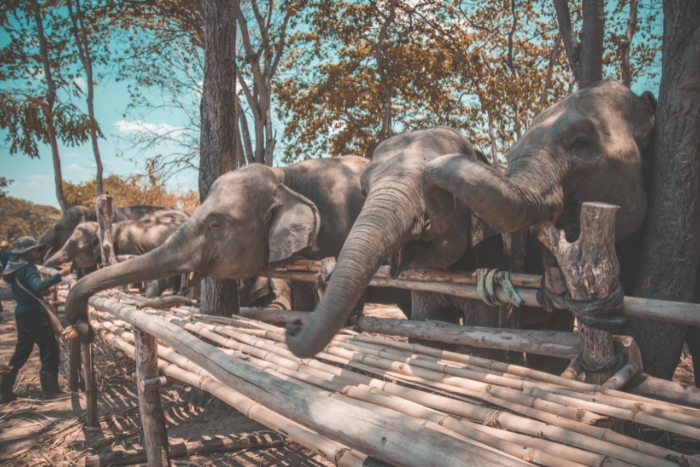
<point x="131" y="237"/>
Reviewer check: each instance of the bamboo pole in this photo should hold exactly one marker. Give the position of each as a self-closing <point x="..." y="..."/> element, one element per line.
<point x="152" y="418"/>
<point x="622" y="377"/>
<point x="367" y="432"/>
<point x="331" y="450"/>
<point x="154" y="384"/>
<point x="90" y="386"/>
<point x="525" y="284"/>
<point x="135" y="456"/>
<point x="479" y="413"/>
<point x="74" y="360"/>
<point x="259" y="346"/>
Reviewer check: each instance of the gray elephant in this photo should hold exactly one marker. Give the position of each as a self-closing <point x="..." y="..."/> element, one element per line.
<point x="254" y="218"/>
<point x="130" y="237"/>
<point x="60" y="231"/>
<point x="588" y="147"/>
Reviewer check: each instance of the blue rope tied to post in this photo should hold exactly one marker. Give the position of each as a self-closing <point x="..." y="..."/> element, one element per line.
<point x="600" y="313"/>
<point x="485" y="279"/>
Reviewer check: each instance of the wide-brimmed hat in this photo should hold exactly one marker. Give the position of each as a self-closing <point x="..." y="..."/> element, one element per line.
<point x="24" y="245"/>
<point x="4" y="244"/>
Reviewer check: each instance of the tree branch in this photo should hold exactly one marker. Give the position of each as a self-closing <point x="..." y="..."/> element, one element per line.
<point x="568" y="38"/>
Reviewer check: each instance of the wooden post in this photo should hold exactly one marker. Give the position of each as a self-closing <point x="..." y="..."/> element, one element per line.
<point x="103" y="209"/>
<point x="152" y="418"/>
<point x="591" y="270"/>
<point x="74" y="365"/>
<point x="90" y="386"/>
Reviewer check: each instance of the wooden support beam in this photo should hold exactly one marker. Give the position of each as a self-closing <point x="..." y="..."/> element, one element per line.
<point x="591" y="270"/>
<point x="152" y="418"/>
<point x="103" y="209"/>
<point x="74" y="360"/>
<point x="154" y="384"/>
<point x="90" y="387"/>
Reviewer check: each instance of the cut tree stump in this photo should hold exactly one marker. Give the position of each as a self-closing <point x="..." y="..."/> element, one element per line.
<point x="103" y="209"/>
<point x="591" y="270"/>
<point x="152" y="418"/>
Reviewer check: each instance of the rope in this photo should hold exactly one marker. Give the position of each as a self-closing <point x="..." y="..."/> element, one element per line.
<point x="485" y="279"/>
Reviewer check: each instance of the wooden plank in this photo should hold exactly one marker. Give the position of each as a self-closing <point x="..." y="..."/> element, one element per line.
<point x="152" y="418"/>
<point x="90" y="387"/>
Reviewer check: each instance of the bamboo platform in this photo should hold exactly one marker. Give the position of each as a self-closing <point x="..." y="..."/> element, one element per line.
<point x="398" y="403"/>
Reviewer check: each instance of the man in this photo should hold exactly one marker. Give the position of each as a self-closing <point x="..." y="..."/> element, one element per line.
<point x="4" y="258"/>
<point x="33" y="324"/>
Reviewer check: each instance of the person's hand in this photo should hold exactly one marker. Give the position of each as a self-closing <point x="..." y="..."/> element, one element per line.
<point x="64" y="272"/>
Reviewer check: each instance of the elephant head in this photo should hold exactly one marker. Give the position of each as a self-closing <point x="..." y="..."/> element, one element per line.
<point x="82" y="248"/>
<point x="249" y="221"/>
<point x="393" y="215"/>
<point x="588" y="147"/>
<point x="62" y="228"/>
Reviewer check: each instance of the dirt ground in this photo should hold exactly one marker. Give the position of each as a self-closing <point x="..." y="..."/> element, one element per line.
<point x="35" y="433"/>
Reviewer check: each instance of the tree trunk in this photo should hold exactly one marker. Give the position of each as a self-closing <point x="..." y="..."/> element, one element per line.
<point x="387" y="89"/>
<point x="625" y="67"/>
<point x="82" y="43"/>
<point x="585" y="57"/>
<point x="219" y="117"/>
<point x="592" y="33"/>
<point x="48" y="108"/>
<point x="671" y="246"/>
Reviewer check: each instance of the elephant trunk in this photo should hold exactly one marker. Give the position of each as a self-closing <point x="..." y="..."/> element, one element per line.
<point x="508" y="202"/>
<point x="173" y="257"/>
<point x="57" y="259"/>
<point x="385" y="223"/>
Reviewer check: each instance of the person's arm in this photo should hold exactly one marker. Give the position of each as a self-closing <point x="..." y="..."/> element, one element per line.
<point x="36" y="284"/>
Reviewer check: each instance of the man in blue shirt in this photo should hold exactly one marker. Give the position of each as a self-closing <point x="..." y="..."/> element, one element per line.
<point x="4" y="259"/>
<point x="33" y="324"/>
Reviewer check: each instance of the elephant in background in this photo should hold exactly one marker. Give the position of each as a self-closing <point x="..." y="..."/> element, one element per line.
<point x="254" y="218"/>
<point x="130" y="237"/>
<point x="588" y="147"/>
<point x="58" y="233"/>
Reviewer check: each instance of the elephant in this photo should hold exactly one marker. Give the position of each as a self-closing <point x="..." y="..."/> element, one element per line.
<point x="130" y="237"/>
<point x="425" y="187"/>
<point x="58" y="233"/>
<point x="254" y="218"/>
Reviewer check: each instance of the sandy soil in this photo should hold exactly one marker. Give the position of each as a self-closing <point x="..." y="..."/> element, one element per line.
<point x="34" y="432"/>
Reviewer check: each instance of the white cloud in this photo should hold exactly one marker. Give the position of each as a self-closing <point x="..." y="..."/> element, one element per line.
<point x="74" y="154"/>
<point x="77" y="168"/>
<point x="142" y="128"/>
<point x="80" y="82"/>
<point x="38" y="180"/>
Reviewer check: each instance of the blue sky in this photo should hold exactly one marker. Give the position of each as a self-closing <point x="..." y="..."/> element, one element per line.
<point x="34" y="178"/>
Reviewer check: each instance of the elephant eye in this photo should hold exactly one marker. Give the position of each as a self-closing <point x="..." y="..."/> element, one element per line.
<point x="579" y="141"/>
<point x="215" y="224"/>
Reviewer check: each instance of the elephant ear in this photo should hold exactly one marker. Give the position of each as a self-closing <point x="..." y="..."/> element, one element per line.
<point x="259" y="287"/>
<point x="293" y="222"/>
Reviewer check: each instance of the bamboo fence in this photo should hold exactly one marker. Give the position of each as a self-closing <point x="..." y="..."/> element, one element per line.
<point x="401" y="403"/>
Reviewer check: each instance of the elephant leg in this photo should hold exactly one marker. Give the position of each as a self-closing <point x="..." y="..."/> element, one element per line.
<point x="437" y="307"/>
<point x="478" y="313"/>
<point x="692" y="338"/>
<point x="304" y="296"/>
<point x="560" y="320"/>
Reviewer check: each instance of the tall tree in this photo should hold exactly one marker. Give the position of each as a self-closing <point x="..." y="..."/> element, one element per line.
<point x="35" y="100"/>
<point x="264" y="34"/>
<point x="671" y="248"/>
<point x="585" y="56"/>
<point x="218" y="142"/>
<point x="48" y="104"/>
<point x="85" y="39"/>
